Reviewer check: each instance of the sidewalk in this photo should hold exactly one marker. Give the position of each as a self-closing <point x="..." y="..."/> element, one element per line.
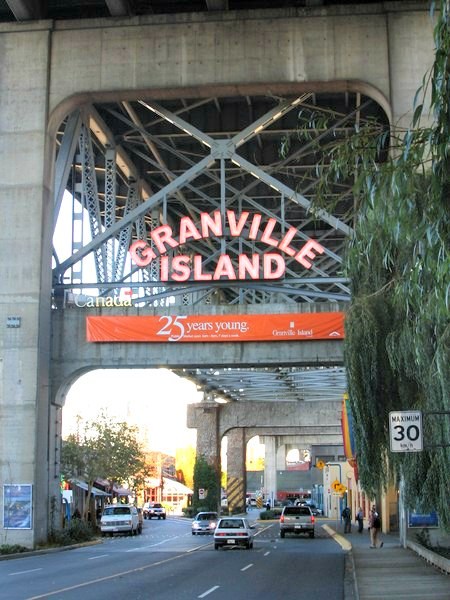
<point x="389" y="573"/>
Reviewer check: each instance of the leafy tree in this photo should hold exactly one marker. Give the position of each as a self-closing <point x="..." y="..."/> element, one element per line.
<point x="397" y="347"/>
<point x="107" y="450"/>
<point x="206" y="477"/>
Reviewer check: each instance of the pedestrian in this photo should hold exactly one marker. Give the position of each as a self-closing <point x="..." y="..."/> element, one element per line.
<point x="375" y="528"/>
<point x="360" y="520"/>
<point x="268" y="505"/>
<point x="347" y="516"/>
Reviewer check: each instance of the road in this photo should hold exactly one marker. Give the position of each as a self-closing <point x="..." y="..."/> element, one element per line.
<point x="167" y="562"/>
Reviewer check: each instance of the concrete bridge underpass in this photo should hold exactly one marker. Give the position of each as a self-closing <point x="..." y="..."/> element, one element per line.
<point x="158" y="138"/>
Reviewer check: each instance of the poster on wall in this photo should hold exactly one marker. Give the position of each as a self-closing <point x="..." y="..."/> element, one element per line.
<point x="17" y="506"/>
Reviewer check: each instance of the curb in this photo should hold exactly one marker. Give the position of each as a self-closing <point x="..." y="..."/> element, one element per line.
<point x="438" y="561"/>
<point x="48" y="550"/>
<point x="351" y="591"/>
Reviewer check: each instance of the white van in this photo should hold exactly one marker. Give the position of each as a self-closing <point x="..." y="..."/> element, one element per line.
<point x="120" y="518"/>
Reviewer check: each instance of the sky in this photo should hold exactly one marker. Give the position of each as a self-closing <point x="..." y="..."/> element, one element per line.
<point x="153" y="399"/>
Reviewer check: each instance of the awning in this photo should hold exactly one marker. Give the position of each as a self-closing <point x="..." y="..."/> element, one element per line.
<point x="84" y="486"/>
<point x="171" y="486"/>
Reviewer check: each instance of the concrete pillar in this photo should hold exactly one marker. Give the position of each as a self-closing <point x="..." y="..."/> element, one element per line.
<point x="205" y="417"/>
<point x="236" y="474"/>
<point x="26" y="203"/>
<point x="270" y="467"/>
<point x="281" y="457"/>
<point x="208" y="443"/>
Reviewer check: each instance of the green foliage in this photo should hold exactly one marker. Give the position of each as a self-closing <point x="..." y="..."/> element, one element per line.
<point x="107" y="450"/>
<point x="12" y="549"/>
<point x="267" y="515"/>
<point x="397" y="347"/>
<point x="206" y="477"/>
<point x="189" y="512"/>
<point x="76" y="532"/>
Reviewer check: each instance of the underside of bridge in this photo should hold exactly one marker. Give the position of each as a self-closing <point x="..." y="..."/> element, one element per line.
<point x="209" y="162"/>
<point x="26" y="10"/>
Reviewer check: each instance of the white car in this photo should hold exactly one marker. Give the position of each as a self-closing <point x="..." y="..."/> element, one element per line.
<point x="232" y="532"/>
<point x="120" y="518"/>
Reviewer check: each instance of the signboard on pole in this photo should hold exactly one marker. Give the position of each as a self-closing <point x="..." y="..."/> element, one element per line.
<point x="405" y="431"/>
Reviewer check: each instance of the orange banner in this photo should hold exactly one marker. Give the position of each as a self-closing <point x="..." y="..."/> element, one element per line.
<point x="216" y="328"/>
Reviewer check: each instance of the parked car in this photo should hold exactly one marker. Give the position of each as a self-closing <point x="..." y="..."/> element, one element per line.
<point x="154" y="509"/>
<point x="204" y="522"/>
<point x="119" y="518"/>
<point x="297" y="519"/>
<point x="314" y="509"/>
<point x="232" y="532"/>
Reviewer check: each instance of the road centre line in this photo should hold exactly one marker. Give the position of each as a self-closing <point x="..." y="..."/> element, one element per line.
<point x="100" y="556"/>
<point x="175" y="537"/>
<point x="27" y="571"/>
<point x="213" y="589"/>
<point x="247" y="567"/>
<point x="263" y="530"/>
<point x="107" y="577"/>
<point x="266" y="553"/>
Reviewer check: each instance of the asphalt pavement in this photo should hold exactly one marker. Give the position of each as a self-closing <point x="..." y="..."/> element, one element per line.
<point x="388" y="573"/>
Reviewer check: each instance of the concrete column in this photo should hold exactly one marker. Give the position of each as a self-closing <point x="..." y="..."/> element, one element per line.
<point x="205" y="417"/>
<point x="236" y="474"/>
<point x="26" y="203"/>
<point x="208" y="443"/>
<point x="281" y="457"/>
<point x="270" y="467"/>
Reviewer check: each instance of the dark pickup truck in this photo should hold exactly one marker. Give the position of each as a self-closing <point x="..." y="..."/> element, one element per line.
<point x="297" y="519"/>
<point x="154" y="509"/>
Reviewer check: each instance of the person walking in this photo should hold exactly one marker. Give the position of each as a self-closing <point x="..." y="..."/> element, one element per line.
<point x="347" y="516"/>
<point x="360" y="520"/>
<point x="375" y="528"/>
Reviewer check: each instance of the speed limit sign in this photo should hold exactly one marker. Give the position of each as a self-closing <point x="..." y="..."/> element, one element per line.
<point x="405" y="430"/>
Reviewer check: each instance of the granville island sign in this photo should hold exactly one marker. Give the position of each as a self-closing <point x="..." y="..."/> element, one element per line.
<point x="180" y="268"/>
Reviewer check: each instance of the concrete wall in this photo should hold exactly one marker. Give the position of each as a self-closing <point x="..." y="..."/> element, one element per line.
<point x="47" y="68"/>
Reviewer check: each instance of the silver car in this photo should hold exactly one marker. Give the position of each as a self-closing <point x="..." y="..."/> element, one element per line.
<point x="204" y="522"/>
<point x="232" y="532"/>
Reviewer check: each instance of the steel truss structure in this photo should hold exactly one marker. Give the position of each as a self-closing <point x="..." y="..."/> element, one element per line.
<point x="132" y="166"/>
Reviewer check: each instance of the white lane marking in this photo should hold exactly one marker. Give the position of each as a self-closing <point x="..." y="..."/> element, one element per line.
<point x="152" y="545"/>
<point x="28" y="571"/>
<point x="262" y="530"/>
<point x="213" y="589"/>
<point x="100" y="556"/>
<point x="266" y="553"/>
<point x="107" y="577"/>
<point x="247" y="567"/>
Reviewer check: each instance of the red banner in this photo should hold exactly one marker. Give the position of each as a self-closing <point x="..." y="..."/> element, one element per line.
<point x="216" y="328"/>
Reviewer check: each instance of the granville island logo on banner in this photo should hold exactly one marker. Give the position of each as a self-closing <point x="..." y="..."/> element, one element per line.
<point x="179" y="268"/>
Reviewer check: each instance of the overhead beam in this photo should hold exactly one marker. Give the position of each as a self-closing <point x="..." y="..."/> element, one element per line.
<point x="217" y="4"/>
<point x="119" y="8"/>
<point x="26" y="10"/>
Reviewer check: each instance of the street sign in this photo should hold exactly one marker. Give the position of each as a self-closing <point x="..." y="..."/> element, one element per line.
<point x="405" y="431"/>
